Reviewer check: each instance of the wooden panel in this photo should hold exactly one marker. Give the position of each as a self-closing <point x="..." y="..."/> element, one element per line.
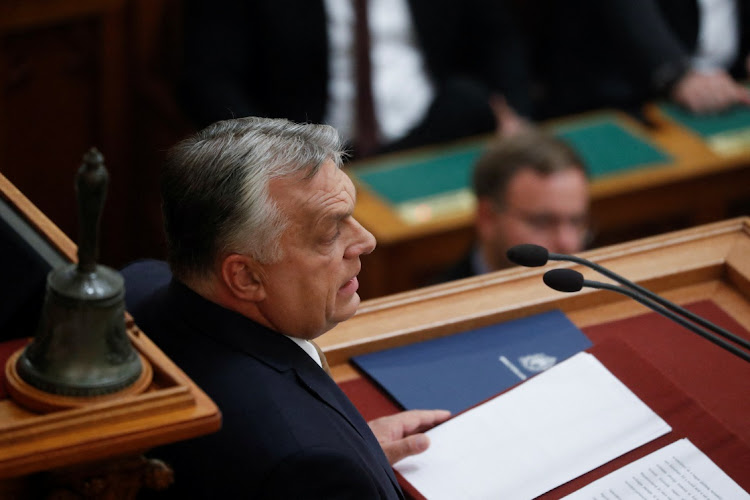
<point x="64" y="90"/>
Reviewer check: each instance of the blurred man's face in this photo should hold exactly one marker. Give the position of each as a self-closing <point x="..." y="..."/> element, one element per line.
<point x="313" y="287"/>
<point x="551" y="211"/>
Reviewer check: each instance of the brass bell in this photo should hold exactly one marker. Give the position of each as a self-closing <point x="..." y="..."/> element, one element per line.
<point x="81" y="347"/>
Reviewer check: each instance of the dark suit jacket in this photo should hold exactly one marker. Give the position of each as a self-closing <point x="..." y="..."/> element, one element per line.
<point x="464" y="268"/>
<point x="620" y="53"/>
<point x="270" y="57"/>
<point x="287" y="430"/>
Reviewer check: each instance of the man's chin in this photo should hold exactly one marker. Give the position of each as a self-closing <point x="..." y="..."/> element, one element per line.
<point x="346" y="308"/>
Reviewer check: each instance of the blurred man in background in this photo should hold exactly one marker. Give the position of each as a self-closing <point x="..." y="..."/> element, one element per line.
<point x="530" y="188"/>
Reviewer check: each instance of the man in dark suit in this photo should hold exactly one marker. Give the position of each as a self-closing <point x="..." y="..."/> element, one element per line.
<point x="290" y="59"/>
<point x="622" y="53"/>
<point x="530" y="188"/>
<point x="264" y="254"/>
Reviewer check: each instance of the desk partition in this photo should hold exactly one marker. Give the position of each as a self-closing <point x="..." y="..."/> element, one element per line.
<point x="645" y="180"/>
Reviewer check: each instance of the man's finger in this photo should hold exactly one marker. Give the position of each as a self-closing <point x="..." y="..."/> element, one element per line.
<point x="402" y="448"/>
<point x="416" y="420"/>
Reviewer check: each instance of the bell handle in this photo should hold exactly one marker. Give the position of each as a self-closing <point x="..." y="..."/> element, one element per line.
<point x="91" y="190"/>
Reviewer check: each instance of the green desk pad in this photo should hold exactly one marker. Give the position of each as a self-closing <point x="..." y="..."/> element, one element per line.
<point x="423" y="187"/>
<point x="726" y="133"/>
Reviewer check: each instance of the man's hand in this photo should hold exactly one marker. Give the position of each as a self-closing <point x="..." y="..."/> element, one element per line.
<point x="400" y="435"/>
<point x="711" y="92"/>
<point x="508" y="121"/>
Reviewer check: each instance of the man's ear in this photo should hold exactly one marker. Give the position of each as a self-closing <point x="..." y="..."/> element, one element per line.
<point x="485" y="219"/>
<point x="242" y="277"/>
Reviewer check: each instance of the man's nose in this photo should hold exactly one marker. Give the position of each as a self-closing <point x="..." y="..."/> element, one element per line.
<point x="364" y="244"/>
<point x="568" y="239"/>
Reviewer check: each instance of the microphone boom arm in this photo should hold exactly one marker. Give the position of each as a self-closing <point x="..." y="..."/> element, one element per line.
<point x="651" y="295"/>
<point x="671" y="315"/>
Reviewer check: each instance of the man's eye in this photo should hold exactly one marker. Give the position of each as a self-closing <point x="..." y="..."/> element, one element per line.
<point x="333" y="237"/>
<point x="543" y="222"/>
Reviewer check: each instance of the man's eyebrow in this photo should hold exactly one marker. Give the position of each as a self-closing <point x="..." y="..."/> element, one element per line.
<point x="336" y="215"/>
<point x="339" y="215"/>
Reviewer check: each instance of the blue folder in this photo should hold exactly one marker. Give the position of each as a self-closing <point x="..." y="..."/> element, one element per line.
<point x="462" y="370"/>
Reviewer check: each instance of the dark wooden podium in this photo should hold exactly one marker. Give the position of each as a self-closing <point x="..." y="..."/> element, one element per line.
<point x="93" y="449"/>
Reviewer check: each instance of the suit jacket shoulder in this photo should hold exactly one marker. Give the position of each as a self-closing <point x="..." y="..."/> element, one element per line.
<point x="286" y="426"/>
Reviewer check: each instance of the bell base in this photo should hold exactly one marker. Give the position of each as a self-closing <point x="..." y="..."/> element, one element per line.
<point x="36" y="400"/>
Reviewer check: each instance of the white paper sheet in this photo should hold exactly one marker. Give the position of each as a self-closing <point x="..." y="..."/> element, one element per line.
<point x="554" y="427"/>
<point x="676" y="472"/>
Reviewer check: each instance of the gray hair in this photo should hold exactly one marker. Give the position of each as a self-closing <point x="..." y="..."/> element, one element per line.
<point x="215" y="197"/>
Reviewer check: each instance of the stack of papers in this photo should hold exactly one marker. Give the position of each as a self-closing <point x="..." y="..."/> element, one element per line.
<point x="679" y="470"/>
<point x="555" y="427"/>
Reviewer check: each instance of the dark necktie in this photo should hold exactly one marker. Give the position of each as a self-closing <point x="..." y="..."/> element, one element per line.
<point x="366" y="131"/>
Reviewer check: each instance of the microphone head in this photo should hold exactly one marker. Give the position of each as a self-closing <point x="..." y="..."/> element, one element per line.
<point x="528" y="255"/>
<point x="563" y="280"/>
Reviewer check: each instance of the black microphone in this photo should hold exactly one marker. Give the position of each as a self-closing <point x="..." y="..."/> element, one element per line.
<point x="569" y="280"/>
<point x="529" y="255"/>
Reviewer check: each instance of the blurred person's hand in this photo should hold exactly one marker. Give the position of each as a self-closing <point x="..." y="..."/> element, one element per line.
<point x="704" y="92"/>
<point x="508" y="121"/>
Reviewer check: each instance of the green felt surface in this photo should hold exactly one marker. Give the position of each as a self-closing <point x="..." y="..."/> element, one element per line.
<point x="734" y="119"/>
<point x="401" y="181"/>
<point x="605" y="145"/>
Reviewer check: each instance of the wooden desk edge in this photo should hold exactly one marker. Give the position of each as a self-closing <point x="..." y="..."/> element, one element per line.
<point x="180" y="410"/>
<point x="662" y="262"/>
